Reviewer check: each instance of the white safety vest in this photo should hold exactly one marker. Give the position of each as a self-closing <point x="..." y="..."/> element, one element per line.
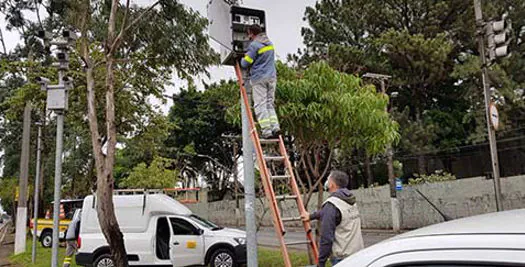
<point x="348" y="238"/>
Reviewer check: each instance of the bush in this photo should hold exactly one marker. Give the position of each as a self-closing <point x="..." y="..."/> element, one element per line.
<point x="437" y="176"/>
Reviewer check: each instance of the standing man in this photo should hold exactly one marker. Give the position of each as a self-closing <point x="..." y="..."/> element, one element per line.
<point x="340" y="223"/>
<point x="263" y="78"/>
<point x="72" y="232"/>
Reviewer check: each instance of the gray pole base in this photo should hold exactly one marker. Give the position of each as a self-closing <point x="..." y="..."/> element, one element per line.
<point x="396" y="214"/>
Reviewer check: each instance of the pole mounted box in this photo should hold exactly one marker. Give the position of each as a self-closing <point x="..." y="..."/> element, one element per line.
<point x="228" y="26"/>
<point x="57" y="99"/>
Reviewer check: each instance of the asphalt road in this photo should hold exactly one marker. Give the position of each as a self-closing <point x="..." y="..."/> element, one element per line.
<point x="266" y="237"/>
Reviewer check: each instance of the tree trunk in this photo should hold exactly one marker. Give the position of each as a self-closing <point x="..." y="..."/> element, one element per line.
<point x="320" y="192"/>
<point x="368" y="171"/>
<point x="421" y="164"/>
<point x="104" y="164"/>
<point x="390" y="169"/>
<point x="108" y="220"/>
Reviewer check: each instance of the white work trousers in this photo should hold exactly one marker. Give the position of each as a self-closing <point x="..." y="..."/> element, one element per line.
<point x="263" y="101"/>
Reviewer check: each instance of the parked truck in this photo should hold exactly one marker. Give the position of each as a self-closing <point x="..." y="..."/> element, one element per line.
<point x="45" y="225"/>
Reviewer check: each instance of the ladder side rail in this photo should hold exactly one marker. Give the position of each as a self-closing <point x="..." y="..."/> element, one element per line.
<point x="302" y="210"/>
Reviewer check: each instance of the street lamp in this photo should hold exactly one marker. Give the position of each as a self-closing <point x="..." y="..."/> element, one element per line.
<point x="396" y="210"/>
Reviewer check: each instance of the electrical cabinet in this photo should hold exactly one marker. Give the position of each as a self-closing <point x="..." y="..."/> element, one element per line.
<point x="228" y="26"/>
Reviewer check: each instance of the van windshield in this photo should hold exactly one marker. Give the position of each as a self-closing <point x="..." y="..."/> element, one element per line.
<point x="205" y="223"/>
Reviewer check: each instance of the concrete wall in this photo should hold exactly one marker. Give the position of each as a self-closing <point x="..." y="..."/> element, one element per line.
<point x="460" y="198"/>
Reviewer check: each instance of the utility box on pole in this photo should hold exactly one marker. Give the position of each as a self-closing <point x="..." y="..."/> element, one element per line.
<point x="228" y="26"/>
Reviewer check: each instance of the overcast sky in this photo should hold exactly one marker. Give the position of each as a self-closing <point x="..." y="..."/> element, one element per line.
<point x="284" y="21"/>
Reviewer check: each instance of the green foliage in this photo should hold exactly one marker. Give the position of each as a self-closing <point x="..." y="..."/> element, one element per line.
<point x="157" y="175"/>
<point x="169" y="40"/>
<point x="436" y="177"/>
<point x="198" y="142"/>
<point x="322" y="105"/>
<point x="398" y="168"/>
<point x="146" y="143"/>
<point x="429" y="48"/>
<point x="7" y="193"/>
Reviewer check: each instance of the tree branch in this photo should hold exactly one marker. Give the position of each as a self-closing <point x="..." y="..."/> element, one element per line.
<point x="327" y="162"/>
<point x="311" y="165"/>
<point x="116" y="42"/>
<point x="3" y="42"/>
<point x="125" y="19"/>
<point x="91" y="98"/>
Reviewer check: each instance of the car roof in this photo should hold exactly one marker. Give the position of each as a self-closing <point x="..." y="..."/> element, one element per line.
<point x="500" y="231"/>
<point x="505" y="222"/>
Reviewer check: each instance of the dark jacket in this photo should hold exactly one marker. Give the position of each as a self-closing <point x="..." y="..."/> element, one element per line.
<point x="330" y="218"/>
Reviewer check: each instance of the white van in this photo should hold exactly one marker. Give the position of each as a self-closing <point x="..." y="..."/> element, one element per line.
<point x="159" y="231"/>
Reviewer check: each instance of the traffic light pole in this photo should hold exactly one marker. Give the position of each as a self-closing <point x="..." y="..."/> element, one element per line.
<point x="487" y="94"/>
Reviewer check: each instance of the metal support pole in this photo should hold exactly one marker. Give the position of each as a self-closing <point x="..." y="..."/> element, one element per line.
<point x="36" y="194"/>
<point x="487" y="95"/>
<point x="21" y="212"/>
<point x="58" y="176"/>
<point x="249" y="190"/>
<point x="394" y="202"/>
<point x="58" y="185"/>
<point x="236" y="180"/>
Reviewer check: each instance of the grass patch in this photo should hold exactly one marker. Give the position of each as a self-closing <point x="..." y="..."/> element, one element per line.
<point x="274" y="258"/>
<point x="43" y="256"/>
<point x="266" y="257"/>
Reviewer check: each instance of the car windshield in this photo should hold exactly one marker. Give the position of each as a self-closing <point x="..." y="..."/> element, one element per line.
<point x="205" y="223"/>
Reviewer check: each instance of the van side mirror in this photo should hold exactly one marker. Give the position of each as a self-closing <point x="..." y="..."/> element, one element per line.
<point x="199" y="232"/>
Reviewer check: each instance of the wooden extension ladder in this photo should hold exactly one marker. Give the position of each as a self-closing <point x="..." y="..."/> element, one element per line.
<point x="267" y="179"/>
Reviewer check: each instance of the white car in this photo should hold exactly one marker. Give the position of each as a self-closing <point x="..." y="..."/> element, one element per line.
<point x="495" y="239"/>
<point x="159" y="231"/>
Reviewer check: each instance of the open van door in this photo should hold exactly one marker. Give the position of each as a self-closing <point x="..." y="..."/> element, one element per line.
<point x="186" y="243"/>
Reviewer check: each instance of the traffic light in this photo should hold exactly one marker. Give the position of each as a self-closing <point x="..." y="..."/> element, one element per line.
<point x="498" y="37"/>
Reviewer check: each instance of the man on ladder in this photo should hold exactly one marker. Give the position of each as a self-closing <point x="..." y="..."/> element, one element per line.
<point x="263" y="80"/>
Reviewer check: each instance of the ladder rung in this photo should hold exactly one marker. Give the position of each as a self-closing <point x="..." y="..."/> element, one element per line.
<point x="273" y="158"/>
<point x="297" y="243"/>
<point x="268" y="141"/>
<point x="285" y="197"/>
<point x="292" y="219"/>
<point x="280" y="177"/>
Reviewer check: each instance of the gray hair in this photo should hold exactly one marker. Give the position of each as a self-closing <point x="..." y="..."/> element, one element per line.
<point x="339" y="178"/>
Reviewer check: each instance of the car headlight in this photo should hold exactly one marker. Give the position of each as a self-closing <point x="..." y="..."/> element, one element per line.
<point x="240" y="240"/>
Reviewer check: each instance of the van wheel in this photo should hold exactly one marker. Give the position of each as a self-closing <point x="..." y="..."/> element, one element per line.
<point x="104" y="260"/>
<point x="46" y="239"/>
<point x="222" y="258"/>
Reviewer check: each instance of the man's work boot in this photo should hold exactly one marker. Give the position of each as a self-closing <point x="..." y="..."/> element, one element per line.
<point x="276" y="133"/>
<point x="267" y="134"/>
